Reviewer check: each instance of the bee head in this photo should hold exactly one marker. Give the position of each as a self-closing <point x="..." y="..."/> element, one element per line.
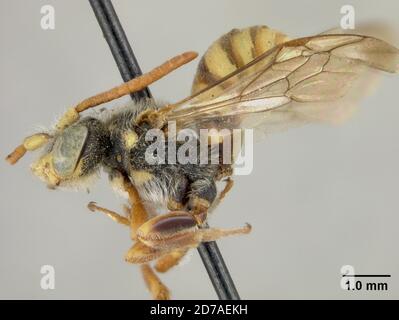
<point x="75" y="152"/>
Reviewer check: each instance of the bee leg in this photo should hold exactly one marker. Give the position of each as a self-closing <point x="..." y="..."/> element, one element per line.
<point x="180" y="230"/>
<point x="167" y="261"/>
<point x="138" y="214"/>
<point x="111" y="214"/>
<point x="139" y="252"/>
<point x="175" y="203"/>
<point x="154" y="284"/>
<point x="228" y="186"/>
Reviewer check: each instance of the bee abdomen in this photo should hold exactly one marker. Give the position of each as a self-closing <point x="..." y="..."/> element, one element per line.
<point x="232" y="51"/>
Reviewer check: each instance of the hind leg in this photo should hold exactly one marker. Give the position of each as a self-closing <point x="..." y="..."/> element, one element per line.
<point x="138" y="216"/>
<point x="168" y="261"/>
<point x="183" y="229"/>
<point x="180" y="230"/>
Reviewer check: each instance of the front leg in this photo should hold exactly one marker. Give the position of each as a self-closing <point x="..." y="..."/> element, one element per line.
<point x="136" y="216"/>
<point x="111" y="214"/>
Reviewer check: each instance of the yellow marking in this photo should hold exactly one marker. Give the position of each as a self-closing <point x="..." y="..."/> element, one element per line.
<point x="36" y="141"/>
<point x="264" y="40"/>
<point x="117" y="183"/>
<point x="218" y="136"/>
<point x="78" y="170"/>
<point x="218" y="62"/>
<point x="198" y="86"/>
<point x="141" y="176"/>
<point x="43" y="168"/>
<point x="130" y="139"/>
<point x="245" y="46"/>
<point x="267" y="38"/>
<point x="68" y="118"/>
<point x="281" y="38"/>
<point x="242" y="47"/>
<point x="174" y="205"/>
<point x="119" y="158"/>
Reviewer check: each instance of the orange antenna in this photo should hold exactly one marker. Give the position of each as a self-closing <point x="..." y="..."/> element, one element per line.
<point x="72" y="115"/>
<point x="30" y="143"/>
<point x="138" y="83"/>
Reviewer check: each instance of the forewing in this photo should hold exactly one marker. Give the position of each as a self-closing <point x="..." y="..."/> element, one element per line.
<point x="302" y="80"/>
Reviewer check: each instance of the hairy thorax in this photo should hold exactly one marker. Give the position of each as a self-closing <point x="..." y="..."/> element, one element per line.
<point x="164" y="183"/>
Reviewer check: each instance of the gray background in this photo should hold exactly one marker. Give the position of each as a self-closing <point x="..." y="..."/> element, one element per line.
<point x="318" y="198"/>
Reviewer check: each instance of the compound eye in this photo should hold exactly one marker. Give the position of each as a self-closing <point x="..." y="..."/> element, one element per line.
<point x="67" y="150"/>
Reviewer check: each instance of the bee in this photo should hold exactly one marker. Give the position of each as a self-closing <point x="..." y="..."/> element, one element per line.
<point x="255" y="78"/>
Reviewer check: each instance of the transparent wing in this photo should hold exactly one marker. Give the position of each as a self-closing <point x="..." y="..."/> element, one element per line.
<point x="303" y="80"/>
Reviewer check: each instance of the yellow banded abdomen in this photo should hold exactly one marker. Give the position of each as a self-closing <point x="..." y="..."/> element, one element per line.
<point x="232" y="51"/>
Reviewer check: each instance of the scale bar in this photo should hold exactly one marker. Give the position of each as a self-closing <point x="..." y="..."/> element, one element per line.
<point x="367" y="275"/>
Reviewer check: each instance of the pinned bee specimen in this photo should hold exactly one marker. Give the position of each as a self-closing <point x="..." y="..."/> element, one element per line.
<point x="254" y="78"/>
